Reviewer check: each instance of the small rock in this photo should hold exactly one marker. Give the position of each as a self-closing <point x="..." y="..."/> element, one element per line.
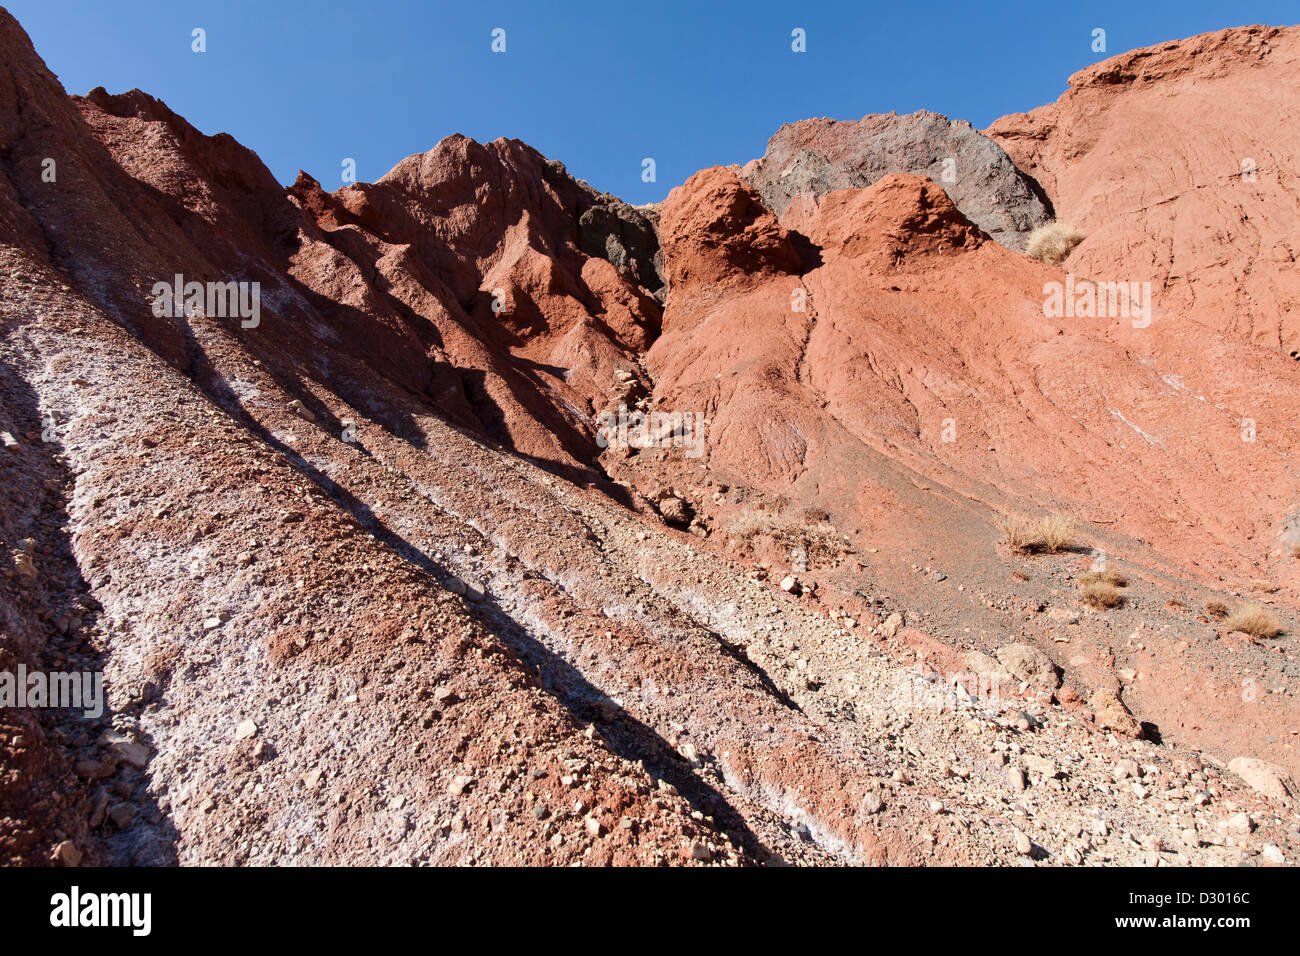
<point x="1041" y="766"/>
<point x="67" y="854"/>
<point x="1024" y="845"/>
<point x="95" y="769"/>
<point x="1016" y="778"/>
<point x="675" y="511"/>
<point x="121" y="814"/>
<point x="1269" y="779"/>
<point x="690" y="755"/>
<point x="1030" y="664"/>
<point x="1113" y="715"/>
<point x="1126" y="768"/>
<point x="460" y="784"/>
<point x="246" y="729"/>
<point x="133" y="754"/>
<point x="99" y="811"/>
<point x="1241" y="823"/>
<point x="1068" y="696"/>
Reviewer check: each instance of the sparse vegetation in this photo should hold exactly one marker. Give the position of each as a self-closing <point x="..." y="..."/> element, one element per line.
<point x="1216" y="609"/>
<point x="810" y="530"/>
<point x="1056" y="532"/>
<point x="1254" y="620"/>
<point x="1018" y="533"/>
<point x="1109" y="576"/>
<point x="1100" y="594"/>
<point x="1053" y="242"/>
<point x="1023" y="535"/>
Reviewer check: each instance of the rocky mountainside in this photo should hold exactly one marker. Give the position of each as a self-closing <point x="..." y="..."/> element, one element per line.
<point x="371" y="579"/>
<point x="1179" y="162"/>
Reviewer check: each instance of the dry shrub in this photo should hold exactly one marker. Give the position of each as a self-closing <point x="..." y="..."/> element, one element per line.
<point x="1099" y="594"/>
<point x="1216" y="609"/>
<point x="1023" y="535"/>
<point x="1109" y="576"/>
<point x="1018" y="533"/>
<point x="750" y="524"/>
<point x="1056" y="532"/>
<point x="1053" y="242"/>
<point x="819" y="539"/>
<point x="1254" y="620"/>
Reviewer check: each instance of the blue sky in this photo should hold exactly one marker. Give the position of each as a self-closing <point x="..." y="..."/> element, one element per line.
<point x="597" y="85"/>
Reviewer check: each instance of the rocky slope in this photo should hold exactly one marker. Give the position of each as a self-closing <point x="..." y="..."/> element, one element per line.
<point x="367" y="587"/>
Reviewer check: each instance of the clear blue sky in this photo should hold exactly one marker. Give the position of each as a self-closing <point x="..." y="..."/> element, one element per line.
<point x="597" y="85"/>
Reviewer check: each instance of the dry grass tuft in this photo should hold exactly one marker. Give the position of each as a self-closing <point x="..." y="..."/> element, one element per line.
<point x="1053" y="242"/>
<point x="1109" y="576"/>
<point x="811" y="530"/>
<point x="1216" y="609"/>
<point x="1018" y="533"/>
<point x="1254" y="620"/>
<point x="1056" y="532"/>
<point x="1023" y="535"/>
<point x="1099" y="594"/>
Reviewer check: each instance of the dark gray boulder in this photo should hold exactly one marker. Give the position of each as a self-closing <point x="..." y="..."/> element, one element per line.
<point x="821" y="155"/>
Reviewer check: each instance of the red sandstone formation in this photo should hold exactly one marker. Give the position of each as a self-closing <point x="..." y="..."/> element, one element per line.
<point x="367" y="586"/>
